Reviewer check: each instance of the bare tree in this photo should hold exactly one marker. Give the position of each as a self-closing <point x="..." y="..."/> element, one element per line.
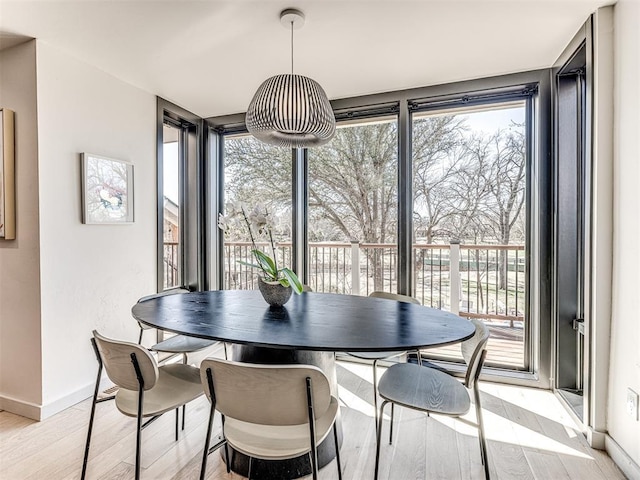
<point x="258" y="173"/>
<point x="507" y="191"/>
<point x="436" y="139"/>
<point x="507" y="185"/>
<point x="353" y="182"/>
<point x="495" y="168"/>
<point x="469" y="187"/>
<point x="353" y="186"/>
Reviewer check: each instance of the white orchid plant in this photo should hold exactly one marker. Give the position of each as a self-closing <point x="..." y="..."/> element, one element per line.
<point x="258" y="222"/>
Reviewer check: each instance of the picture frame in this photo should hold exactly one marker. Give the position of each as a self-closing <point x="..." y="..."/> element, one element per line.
<point x="107" y="190"/>
<point x="7" y="175"/>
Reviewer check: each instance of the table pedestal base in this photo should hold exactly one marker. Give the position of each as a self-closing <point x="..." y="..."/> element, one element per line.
<point x="295" y="467"/>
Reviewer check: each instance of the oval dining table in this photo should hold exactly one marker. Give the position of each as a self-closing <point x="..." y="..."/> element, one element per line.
<point x="309" y="329"/>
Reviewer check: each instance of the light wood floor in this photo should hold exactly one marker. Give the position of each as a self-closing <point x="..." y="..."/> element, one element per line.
<point x="530" y="436"/>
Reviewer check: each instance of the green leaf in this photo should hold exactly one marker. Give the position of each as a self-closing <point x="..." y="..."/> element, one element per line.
<point x="242" y="262"/>
<point x="293" y="280"/>
<point x="266" y="263"/>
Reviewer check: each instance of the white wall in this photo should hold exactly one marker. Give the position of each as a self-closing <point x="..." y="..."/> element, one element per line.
<point x="625" y="334"/>
<point x="20" y="355"/>
<point x="91" y="274"/>
<point x="61" y="279"/>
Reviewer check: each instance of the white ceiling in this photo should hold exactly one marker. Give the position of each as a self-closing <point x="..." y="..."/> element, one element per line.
<point x="211" y="56"/>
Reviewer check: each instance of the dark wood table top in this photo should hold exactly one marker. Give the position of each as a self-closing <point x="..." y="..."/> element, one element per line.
<point x="310" y="321"/>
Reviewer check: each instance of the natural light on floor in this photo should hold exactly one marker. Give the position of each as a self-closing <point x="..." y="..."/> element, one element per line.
<point x="540" y="406"/>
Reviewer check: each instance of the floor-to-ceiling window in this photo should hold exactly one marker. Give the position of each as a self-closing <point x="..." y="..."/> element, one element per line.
<point x="172" y="174"/>
<point x="353" y="205"/>
<point x="470" y="219"/>
<point x="180" y="234"/>
<point x="434" y="192"/>
<point x="257" y="184"/>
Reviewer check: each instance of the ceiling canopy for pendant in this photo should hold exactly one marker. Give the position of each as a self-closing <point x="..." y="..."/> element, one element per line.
<point x="290" y="110"/>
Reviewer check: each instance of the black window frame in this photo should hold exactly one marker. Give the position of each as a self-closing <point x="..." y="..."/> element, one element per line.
<point x="206" y="181"/>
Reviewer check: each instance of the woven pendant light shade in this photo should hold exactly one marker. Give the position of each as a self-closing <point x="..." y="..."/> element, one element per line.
<point x="291" y="111"/>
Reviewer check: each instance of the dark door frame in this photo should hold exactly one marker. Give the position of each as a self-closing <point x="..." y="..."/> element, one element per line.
<point x="597" y="38"/>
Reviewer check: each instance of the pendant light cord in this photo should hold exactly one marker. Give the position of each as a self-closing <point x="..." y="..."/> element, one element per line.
<point x="291" y="47"/>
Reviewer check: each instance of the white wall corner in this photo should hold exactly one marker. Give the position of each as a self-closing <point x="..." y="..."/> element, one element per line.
<point x="62" y="403"/>
<point x="602" y="220"/>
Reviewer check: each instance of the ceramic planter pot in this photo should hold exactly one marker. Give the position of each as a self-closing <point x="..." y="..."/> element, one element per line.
<point x="273" y="293"/>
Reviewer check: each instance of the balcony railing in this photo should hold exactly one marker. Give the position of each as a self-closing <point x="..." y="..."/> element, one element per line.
<point x="479" y="281"/>
<point x="484" y="281"/>
<point x="171" y="263"/>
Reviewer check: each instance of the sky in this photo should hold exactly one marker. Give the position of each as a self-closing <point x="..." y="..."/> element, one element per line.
<point x="491" y="120"/>
<point x="170" y="159"/>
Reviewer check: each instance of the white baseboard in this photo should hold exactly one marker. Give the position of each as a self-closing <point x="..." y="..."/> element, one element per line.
<point x="20" y="407"/>
<point x="596" y="439"/>
<point x="41" y="412"/>
<point x="67" y="401"/>
<point x="630" y="468"/>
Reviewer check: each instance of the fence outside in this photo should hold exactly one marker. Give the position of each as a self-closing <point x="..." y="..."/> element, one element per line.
<point x="484" y="281"/>
<point x="480" y="281"/>
<point x="171" y="264"/>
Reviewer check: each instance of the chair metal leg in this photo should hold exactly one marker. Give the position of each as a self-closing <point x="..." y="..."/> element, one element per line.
<point x="250" y="465"/>
<point x="184" y="407"/>
<point x="312" y="430"/>
<point x="311" y="463"/>
<point x="207" y="441"/>
<point x="136" y="367"/>
<point x="140" y="336"/>
<point x="226" y="450"/>
<point x="391" y="424"/>
<point x="177" y="421"/>
<point x="139" y="431"/>
<point x="483" y="443"/>
<point x="375" y="391"/>
<point x="378" y="439"/>
<point x="93" y="411"/>
<point x="337" y="447"/>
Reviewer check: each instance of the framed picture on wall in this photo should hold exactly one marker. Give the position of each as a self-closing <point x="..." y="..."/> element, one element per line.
<point x="107" y="190"/>
<point x="7" y="179"/>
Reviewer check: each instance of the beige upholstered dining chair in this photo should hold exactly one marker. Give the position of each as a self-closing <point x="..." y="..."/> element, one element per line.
<point x="375" y="357"/>
<point x="270" y="412"/>
<point x="433" y="391"/>
<point x="177" y="344"/>
<point x="145" y="390"/>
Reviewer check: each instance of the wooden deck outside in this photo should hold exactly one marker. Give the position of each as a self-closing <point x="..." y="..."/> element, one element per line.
<point x="506" y="346"/>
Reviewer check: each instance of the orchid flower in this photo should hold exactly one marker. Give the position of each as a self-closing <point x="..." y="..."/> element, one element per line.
<point x="259" y="221"/>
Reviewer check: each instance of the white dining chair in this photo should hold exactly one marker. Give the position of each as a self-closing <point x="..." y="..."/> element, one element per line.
<point x="144" y="389"/>
<point x="177" y="344"/>
<point x="433" y="391"/>
<point x="269" y="412"/>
